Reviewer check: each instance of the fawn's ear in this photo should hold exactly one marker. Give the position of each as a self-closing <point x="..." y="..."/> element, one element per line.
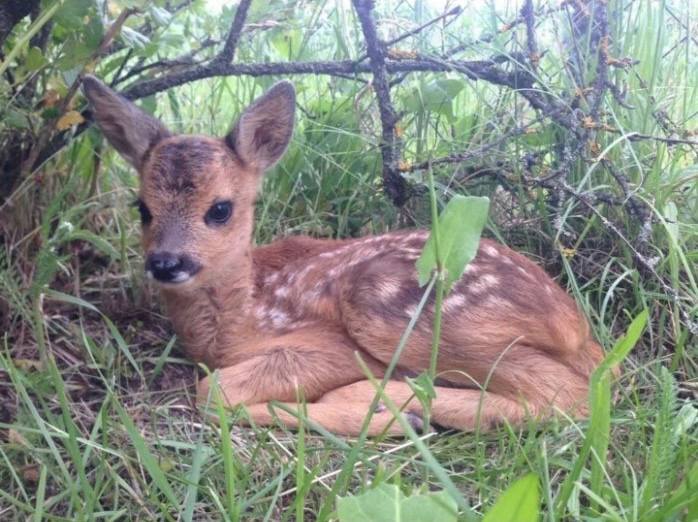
<point x="130" y="130"/>
<point x="261" y="134"/>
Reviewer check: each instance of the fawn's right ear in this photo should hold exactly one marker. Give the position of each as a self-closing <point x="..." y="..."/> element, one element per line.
<point x="130" y="130"/>
<point x="264" y="129"/>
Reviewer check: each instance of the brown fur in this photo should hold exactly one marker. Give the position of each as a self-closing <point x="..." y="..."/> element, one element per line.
<point x="291" y="316"/>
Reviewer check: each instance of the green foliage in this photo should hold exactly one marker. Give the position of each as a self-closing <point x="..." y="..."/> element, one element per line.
<point x="520" y="502"/>
<point x="386" y="503"/>
<point x="436" y="95"/>
<point x="458" y="230"/>
<point x="598" y="433"/>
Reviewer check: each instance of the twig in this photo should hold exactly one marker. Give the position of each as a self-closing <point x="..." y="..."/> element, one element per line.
<point x="475" y="69"/>
<point x="231" y="41"/>
<point x="453" y="12"/>
<point x="394" y="184"/>
<point x="529" y="16"/>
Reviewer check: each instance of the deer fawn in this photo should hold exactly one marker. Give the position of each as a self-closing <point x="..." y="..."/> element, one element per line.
<point x="290" y="316"/>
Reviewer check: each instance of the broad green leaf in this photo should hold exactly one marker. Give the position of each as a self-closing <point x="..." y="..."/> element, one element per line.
<point x="386" y="503"/>
<point x="519" y="503"/>
<point x="436" y="96"/>
<point x="160" y="16"/>
<point x="35" y="59"/>
<point x="460" y="226"/>
<point x="72" y="13"/>
<point x="133" y="38"/>
<point x="16" y="118"/>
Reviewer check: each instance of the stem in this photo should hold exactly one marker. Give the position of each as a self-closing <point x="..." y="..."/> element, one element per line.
<point x="440" y="276"/>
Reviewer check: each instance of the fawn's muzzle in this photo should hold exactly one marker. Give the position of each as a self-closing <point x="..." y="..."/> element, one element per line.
<point x="168" y="267"/>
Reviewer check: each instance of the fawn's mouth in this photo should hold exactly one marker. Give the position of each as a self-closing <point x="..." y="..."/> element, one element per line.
<point x="176" y="276"/>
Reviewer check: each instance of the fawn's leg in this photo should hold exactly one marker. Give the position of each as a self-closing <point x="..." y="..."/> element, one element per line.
<point x="338" y="417"/>
<point x="458" y="408"/>
<point x="343" y="410"/>
<point x="307" y="363"/>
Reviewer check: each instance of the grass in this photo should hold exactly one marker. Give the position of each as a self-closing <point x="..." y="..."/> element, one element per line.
<point x="96" y="411"/>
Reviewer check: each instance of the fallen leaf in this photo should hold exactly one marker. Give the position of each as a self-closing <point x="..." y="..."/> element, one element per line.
<point x="16" y="437"/>
<point x="30" y="473"/>
<point x="69" y="119"/>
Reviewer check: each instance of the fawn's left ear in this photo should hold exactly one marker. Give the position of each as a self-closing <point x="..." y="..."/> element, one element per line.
<point x="130" y="130"/>
<point x="263" y="131"/>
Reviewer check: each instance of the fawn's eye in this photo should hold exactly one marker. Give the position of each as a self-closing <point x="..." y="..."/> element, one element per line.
<point x="219" y="213"/>
<point x="146" y="216"/>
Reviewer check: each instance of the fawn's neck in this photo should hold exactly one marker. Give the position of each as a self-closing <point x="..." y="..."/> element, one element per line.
<point x="214" y="315"/>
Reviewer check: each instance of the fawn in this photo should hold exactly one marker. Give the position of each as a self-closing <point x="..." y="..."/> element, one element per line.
<point x="290" y="315"/>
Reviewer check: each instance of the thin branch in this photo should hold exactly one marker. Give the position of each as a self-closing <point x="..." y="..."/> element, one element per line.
<point x="231" y="41"/>
<point x="394" y="184"/>
<point x="452" y="12"/>
<point x="529" y="16"/>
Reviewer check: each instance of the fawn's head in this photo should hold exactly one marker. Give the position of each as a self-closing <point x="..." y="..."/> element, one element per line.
<point x="196" y="193"/>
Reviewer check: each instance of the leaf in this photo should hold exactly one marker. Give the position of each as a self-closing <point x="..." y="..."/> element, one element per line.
<point x="386" y="503"/>
<point x="133" y="38"/>
<point x="16" y="119"/>
<point x="423" y="388"/>
<point x="72" y="12"/>
<point x="160" y="16"/>
<point x="436" y="96"/>
<point x="519" y="503"/>
<point x="35" y="59"/>
<point x="69" y="119"/>
<point x="459" y="228"/>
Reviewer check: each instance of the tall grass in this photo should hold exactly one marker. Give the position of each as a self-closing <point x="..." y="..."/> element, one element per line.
<point x="96" y="417"/>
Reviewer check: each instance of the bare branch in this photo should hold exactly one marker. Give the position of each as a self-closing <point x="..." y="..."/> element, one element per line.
<point x="393" y="183"/>
<point x="231" y="41"/>
<point x="452" y="12"/>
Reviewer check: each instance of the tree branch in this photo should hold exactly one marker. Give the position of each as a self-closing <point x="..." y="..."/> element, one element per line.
<point x="231" y="41"/>
<point x="393" y="183"/>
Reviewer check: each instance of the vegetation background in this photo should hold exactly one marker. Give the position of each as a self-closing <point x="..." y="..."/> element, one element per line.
<point x="578" y="118"/>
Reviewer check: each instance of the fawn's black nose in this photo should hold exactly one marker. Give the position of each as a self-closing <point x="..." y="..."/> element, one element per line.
<point x="166" y="266"/>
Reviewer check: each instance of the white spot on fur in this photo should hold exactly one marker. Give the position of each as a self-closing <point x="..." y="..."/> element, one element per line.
<point x="278" y="318"/>
<point x="472" y="269"/>
<point x="388" y="289"/>
<point x="483" y="284"/>
<point x="454" y="302"/>
<point x="310" y="297"/>
<point x="490" y="251"/>
<point x="281" y="292"/>
<point x="522" y="270"/>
